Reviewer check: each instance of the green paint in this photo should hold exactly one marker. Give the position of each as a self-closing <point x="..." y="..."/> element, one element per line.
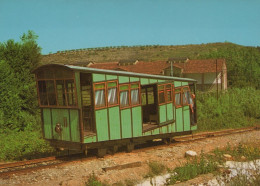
<point x="153" y="81"/>
<point x="77" y="80"/>
<point x="186" y="117"/>
<point x="47" y="123"/>
<point x="179" y="121"/>
<point x="177" y="84"/>
<point x="112" y="84"/>
<point x="134" y="79"/>
<point x="74" y="125"/>
<point x="173" y="126"/>
<point x="124" y="87"/>
<point x="100" y="86"/>
<point x="123" y="79"/>
<point x="126" y="123"/>
<point x="135" y="85"/>
<point x="194" y="127"/>
<point x="161" y="80"/>
<point x="184" y="83"/>
<point x="148" y="133"/>
<point x="169" y="128"/>
<point x="162" y="111"/>
<point x="61" y="116"/>
<point x="114" y="123"/>
<point x="156" y="131"/>
<point x="144" y="81"/>
<point x="137" y="121"/>
<point x="164" y="129"/>
<point x="102" y="124"/>
<point x="90" y="139"/>
<point x="98" y="77"/>
<point x="169" y="111"/>
<point x="111" y="77"/>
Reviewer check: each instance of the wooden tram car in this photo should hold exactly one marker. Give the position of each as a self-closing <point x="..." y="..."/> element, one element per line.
<point x="84" y="108"/>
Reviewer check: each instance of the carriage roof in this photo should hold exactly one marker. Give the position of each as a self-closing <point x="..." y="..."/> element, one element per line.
<point x="114" y="72"/>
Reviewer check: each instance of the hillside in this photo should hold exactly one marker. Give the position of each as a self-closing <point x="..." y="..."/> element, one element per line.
<point x="144" y="53"/>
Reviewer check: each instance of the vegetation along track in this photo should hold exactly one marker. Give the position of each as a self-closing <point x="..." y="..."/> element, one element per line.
<point x="9" y="169"/>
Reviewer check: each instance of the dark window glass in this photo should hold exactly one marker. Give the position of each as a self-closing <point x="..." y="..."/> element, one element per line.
<point x="42" y="92"/>
<point x="51" y="92"/>
<point x="70" y="92"/>
<point x="143" y="96"/>
<point x="60" y="93"/>
<point x="150" y="94"/>
<point x="161" y="97"/>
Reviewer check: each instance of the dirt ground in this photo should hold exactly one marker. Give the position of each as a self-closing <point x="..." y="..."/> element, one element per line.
<point x="171" y="156"/>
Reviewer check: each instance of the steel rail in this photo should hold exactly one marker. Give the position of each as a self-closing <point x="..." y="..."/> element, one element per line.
<point x="31" y="165"/>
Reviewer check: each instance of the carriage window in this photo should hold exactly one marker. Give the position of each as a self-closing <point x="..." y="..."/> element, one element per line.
<point x="143" y="96"/>
<point x="186" y="97"/>
<point x="71" y="98"/>
<point x="112" y="93"/>
<point x="135" y="100"/>
<point x="60" y="92"/>
<point x="169" y="92"/>
<point x="124" y="96"/>
<point x="165" y="93"/>
<point x="178" y="97"/>
<point x="150" y="94"/>
<point x="100" y="95"/>
<point x="56" y="87"/>
<point x="43" y="93"/>
<point x="161" y="92"/>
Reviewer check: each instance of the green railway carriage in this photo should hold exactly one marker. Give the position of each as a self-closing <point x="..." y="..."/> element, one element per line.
<point x="84" y="108"/>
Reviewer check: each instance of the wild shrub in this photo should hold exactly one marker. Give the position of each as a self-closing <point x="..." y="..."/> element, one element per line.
<point x="155" y="168"/>
<point x="23" y="145"/>
<point x="233" y="108"/>
<point x="191" y="169"/>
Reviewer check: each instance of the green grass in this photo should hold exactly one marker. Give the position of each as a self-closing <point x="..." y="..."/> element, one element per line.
<point x="155" y="169"/>
<point x="208" y="163"/>
<point x="233" y="109"/>
<point x="145" y="53"/>
<point x="192" y="169"/>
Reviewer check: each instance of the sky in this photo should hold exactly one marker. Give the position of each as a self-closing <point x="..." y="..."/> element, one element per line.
<point x="75" y="24"/>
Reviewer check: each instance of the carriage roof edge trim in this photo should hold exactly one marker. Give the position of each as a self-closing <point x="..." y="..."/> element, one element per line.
<point x="123" y="73"/>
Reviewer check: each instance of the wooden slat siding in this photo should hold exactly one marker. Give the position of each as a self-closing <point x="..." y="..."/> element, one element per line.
<point x="79" y="100"/>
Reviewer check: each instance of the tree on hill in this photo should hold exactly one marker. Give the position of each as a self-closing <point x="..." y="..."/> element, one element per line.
<point x="18" y="103"/>
<point x="243" y="64"/>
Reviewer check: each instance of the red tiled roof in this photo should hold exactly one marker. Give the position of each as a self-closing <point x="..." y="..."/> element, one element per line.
<point x="107" y="66"/>
<point x="191" y="66"/>
<point x="203" y="66"/>
<point x="147" y="67"/>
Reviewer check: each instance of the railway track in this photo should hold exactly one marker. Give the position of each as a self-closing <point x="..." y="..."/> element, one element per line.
<point x="9" y="169"/>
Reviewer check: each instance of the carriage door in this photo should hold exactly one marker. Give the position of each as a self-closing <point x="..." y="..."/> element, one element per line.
<point x="87" y="104"/>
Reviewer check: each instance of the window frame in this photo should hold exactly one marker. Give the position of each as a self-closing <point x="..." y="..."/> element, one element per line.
<point x="188" y="90"/>
<point x="117" y="93"/>
<point x="129" y="95"/>
<point x="165" y="90"/>
<point x="54" y="79"/>
<point x="178" y="90"/>
<point x="105" y="94"/>
<point x="139" y="93"/>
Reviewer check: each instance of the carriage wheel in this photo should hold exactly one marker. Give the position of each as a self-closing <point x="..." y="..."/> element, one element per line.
<point x="130" y="147"/>
<point x="101" y="152"/>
